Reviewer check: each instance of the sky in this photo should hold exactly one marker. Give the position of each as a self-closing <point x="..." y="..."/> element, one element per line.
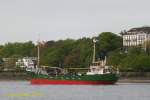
<point x="27" y="20"/>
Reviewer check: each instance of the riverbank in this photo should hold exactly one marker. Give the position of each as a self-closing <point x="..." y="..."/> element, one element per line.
<point x="7" y="76"/>
<point x="24" y="76"/>
<point x="119" y="81"/>
<point x="134" y="77"/>
<point x="134" y="80"/>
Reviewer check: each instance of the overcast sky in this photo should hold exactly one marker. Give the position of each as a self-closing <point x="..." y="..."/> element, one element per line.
<point x="23" y="20"/>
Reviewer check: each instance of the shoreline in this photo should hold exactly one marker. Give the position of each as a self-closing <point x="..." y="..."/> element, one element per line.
<point x="134" y="80"/>
<point x="23" y="76"/>
<point x="122" y="80"/>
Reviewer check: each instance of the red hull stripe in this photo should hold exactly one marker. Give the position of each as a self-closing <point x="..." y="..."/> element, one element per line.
<point x="50" y="81"/>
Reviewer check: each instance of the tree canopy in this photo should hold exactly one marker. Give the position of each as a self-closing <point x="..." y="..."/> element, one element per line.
<point x="78" y="53"/>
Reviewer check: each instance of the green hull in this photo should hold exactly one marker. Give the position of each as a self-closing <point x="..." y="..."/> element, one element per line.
<point x="97" y="77"/>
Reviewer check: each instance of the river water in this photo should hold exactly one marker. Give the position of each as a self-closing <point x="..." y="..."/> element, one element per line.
<point x="23" y="90"/>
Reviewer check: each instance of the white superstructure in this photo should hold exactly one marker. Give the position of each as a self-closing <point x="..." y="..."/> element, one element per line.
<point x="97" y="67"/>
<point x="29" y="63"/>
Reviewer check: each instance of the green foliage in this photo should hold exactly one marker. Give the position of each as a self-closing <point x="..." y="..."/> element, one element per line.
<point x="134" y="60"/>
<point x="16" y="49"/>
<point x="78" y="53"/>
<point x="52" y="58"/>
<point x="67" y="53"/>
<point x="108" y="42"/>
<point x="115" y="58"/>
<point x="1" y="60"/>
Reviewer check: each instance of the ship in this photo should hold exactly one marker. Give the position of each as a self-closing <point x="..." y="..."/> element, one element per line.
<point x="98" y="73"/>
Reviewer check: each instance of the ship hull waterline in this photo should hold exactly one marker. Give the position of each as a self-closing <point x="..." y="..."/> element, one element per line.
<point x="80" y="82"/>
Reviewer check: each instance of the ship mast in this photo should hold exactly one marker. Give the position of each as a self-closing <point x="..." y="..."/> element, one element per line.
<point x="94" y="49"/>
<point x="38" y="51"/>
<point x="38" y="47"/>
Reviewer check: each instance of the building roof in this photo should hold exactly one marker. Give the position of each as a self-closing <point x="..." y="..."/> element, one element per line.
<point x="144" y="29"/>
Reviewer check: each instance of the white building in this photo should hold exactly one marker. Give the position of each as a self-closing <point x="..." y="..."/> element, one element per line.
<point x="29" y="63"/>
<point x="136" y="36"/>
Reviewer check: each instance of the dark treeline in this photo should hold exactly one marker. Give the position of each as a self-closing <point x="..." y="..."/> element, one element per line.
<point x="134" y="60"/>
<point x="78" y="53"/>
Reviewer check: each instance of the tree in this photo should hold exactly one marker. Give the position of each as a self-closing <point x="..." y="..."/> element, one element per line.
<point x="73" y="59"/>
<point x="17" y="49"/>
<point x="85" y="47"/>
<point x="107" y="42"/>
<point x="133" y="60"/>
<point x="147" y="45"/>
<point x="115" y="58"/>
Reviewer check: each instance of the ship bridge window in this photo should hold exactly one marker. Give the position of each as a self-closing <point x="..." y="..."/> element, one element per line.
<point x="95" y="64"/>
<point x="93" y="69"/>
<point x="106" y="70"/>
